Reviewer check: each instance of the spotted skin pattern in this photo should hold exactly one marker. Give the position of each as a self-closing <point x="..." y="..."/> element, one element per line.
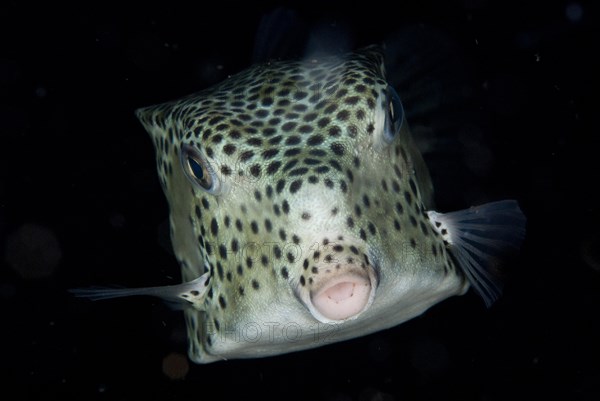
<point x="307" y="183"/>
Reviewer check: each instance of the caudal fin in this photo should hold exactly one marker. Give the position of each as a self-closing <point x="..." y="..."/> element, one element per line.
<point x="479" y="237"/>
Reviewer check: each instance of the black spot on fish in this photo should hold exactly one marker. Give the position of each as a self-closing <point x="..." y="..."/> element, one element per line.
<point x="293" y="140"/>
<point x="277" y="251"/>
<point x="270" y="153"/>
<point x="255" y="170"/>
<point x="413" y="221"/>
<point x="337" y="148"/>
<point x="280" y="185"/>
<point x="223" y="251"/>
<point x="245" y="156"/>
<point x="334" y="131"/>
<point x="214" y="227"/>
<point x="424" y="229"/>
<point x="273" y="167"/>
<point x="222" y="302"/>
<point x="363" y="234"/>
<point x="323" y="122"/>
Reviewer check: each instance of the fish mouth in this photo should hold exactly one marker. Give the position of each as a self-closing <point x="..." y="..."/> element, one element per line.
<point x="340" y="293"/>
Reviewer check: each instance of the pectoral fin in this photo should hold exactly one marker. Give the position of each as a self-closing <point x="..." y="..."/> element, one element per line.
<point x="190" y="293"/>
<point x="479" y="237"/>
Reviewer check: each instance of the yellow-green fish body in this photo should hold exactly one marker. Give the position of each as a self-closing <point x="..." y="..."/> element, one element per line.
<point x="300" y="211"/>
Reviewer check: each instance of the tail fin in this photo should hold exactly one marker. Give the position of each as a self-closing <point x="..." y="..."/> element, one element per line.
<point x="478" y="238"/>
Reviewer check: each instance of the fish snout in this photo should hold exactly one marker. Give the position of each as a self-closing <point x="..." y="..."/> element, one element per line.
<point x="339" y="292"/>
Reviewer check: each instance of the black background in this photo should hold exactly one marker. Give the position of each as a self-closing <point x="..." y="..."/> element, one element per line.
<point x="76" y="166"/>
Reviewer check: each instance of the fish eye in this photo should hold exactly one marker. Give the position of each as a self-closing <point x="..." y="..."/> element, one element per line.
<point x="394" y="115"/>
<point x="197" y="169"/>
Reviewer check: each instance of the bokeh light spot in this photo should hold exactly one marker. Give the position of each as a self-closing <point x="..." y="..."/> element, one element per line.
<point x="33" y="251"/>
<point x="574" y="12"/>
<point x="175" y="366"/>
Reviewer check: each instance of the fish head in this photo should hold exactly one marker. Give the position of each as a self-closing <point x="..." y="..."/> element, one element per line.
<point x="296" y="188"/>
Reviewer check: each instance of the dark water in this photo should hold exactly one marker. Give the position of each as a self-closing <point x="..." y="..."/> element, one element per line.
<point x="80" y="204"/>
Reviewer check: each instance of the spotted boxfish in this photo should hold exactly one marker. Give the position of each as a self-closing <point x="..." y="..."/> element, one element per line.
<point x="301" y="211"/>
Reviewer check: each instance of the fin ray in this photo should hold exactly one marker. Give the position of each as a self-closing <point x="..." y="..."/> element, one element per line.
<point x="478" y="237"/>
<point x="189" y="292"/>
